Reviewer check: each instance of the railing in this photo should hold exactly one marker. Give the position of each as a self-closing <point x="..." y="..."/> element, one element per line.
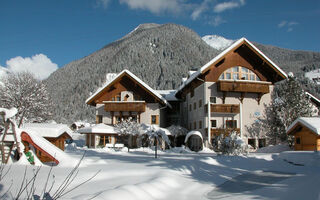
<point x="243" y="86"/>
<point x="130" y="106"/>
<point x="225" y="108"/>
<point x="226" y="131"/>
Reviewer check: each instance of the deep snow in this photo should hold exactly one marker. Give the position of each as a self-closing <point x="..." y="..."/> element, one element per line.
<point x="181" y="174"/>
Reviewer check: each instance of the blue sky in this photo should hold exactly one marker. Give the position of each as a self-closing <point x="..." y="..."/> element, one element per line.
<point x="65" y="30"/>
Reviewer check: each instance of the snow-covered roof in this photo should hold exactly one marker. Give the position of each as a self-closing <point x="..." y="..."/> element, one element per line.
<point x="312" y="123"/>
<point x="191" y="133"/>
<point x="98" y="128"/>
<point x="48" y="130"/>
<point x="222" y="54"/>
<point x="169" y="95"/>
<point x="147" y="87"/>
<point x="313" y="98"/>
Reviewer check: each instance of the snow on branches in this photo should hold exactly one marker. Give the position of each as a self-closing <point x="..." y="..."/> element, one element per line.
<point x="289" y="102"/>
<point x="29" y="95"/>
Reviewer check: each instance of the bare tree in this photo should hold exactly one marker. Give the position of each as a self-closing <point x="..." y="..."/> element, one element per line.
<point x="29" y="95"/>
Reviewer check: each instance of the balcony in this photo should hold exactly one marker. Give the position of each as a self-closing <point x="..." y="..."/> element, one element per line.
<point x="226" y="131"/>
<point x="225" y="108"/>
<point x="243" y="86"/>
<point x="124" y="106"/>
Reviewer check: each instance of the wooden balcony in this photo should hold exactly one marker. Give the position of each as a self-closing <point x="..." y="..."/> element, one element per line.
<point x="225" y="108"/>
<point x="226" y="132"/>
<point x="243" y="86"/>
<point x="124" y="106"/>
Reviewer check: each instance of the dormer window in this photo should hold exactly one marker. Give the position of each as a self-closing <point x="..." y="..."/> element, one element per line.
<point x="239" y="73"/>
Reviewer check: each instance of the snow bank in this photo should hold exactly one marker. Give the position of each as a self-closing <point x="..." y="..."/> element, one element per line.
<point x="274" y="148"/>
<point x="161" y="187"/>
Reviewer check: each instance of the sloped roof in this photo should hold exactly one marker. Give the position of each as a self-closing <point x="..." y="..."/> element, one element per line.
<point x="169" y="95"/>
<point x="98" y="128"/>
<point x="313" y="99"/>
<point x="48" y="130"/>
<point x="127" y="72"/>
<point x="312" y="123"/>
<point x="223" y="53"/>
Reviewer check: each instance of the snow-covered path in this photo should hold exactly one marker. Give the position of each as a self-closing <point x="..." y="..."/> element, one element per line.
<point x="138" y="175"/>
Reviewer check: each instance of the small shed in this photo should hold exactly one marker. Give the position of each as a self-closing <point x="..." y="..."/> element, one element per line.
<point x="57" y="134"/>
<point x="99" y="135"/>
<point x="194" y="141"/>
<point x="306" y="132"/>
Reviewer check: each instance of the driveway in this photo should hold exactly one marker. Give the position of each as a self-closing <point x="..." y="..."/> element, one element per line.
<point x="247" y="182"/>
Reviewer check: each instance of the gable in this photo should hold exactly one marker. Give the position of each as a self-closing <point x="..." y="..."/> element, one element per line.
<point x="241" y="53"/>
<point x="125" y="81"/>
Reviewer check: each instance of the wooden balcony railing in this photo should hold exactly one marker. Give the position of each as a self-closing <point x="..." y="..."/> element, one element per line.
<point x="129" y="106"/>
<point x="225" y="108"/>
<point x="243" y="86"/>
<point x="226" y="131"/>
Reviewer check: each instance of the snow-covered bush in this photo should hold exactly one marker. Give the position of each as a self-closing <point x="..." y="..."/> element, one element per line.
<point x="231" y="145"/>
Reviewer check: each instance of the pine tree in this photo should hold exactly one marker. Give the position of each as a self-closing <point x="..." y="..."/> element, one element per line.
<point x="29" y="95"/>
<point x="289" y="102"/>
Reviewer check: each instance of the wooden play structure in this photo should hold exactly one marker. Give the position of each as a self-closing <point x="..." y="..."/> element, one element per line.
<point x="8" y="140"/>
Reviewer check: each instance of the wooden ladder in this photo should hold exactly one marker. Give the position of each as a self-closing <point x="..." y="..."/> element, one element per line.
<point x="5" y="145"/>
<point x="6" y="148"/>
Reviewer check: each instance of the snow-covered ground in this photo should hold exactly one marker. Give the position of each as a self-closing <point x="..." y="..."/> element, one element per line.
<point x="181" y="174"/>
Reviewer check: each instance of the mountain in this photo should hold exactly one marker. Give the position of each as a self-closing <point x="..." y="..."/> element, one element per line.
<point x="217" y="42"/>
<point x="158" y="54"/>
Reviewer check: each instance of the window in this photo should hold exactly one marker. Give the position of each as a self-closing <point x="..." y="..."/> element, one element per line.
<point x="194" y="105"/>
<point x="194" y="125"/>
<point x="192" y="93"/>
<point x="239" y="73"/>
<point x="298" y="140"/>
<point x="213" y="99"/>
<point x="116" y="98"/>
<point x="190" y="107"/>
<point x="252" y="142"/>
<point x="154" y="119"/>
<point x="231" y="123"/>
<point x="126" y="97"/>
<point x="214" y="123"/>
<point x="200" y="103"/>
<point x="200" y="124"/>
<point x="99" y="119"/>
<point x="262" y="143"/>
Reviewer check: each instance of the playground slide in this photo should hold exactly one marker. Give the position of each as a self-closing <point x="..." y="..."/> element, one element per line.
<point x="43" y="145"/>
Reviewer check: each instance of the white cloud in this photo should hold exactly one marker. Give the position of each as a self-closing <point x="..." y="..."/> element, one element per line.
<point x="216" y="21"/>
<point x="155" y="6"/>
<point x="287" y="25"/>
<point x="40" y="65"/>
<point x="282" y="24"/>
<point x="200" y="9"/>
<point x="221" y="7"/>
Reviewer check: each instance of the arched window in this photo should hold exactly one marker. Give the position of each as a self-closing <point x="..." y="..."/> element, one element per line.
<point x="239" y="73"/>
